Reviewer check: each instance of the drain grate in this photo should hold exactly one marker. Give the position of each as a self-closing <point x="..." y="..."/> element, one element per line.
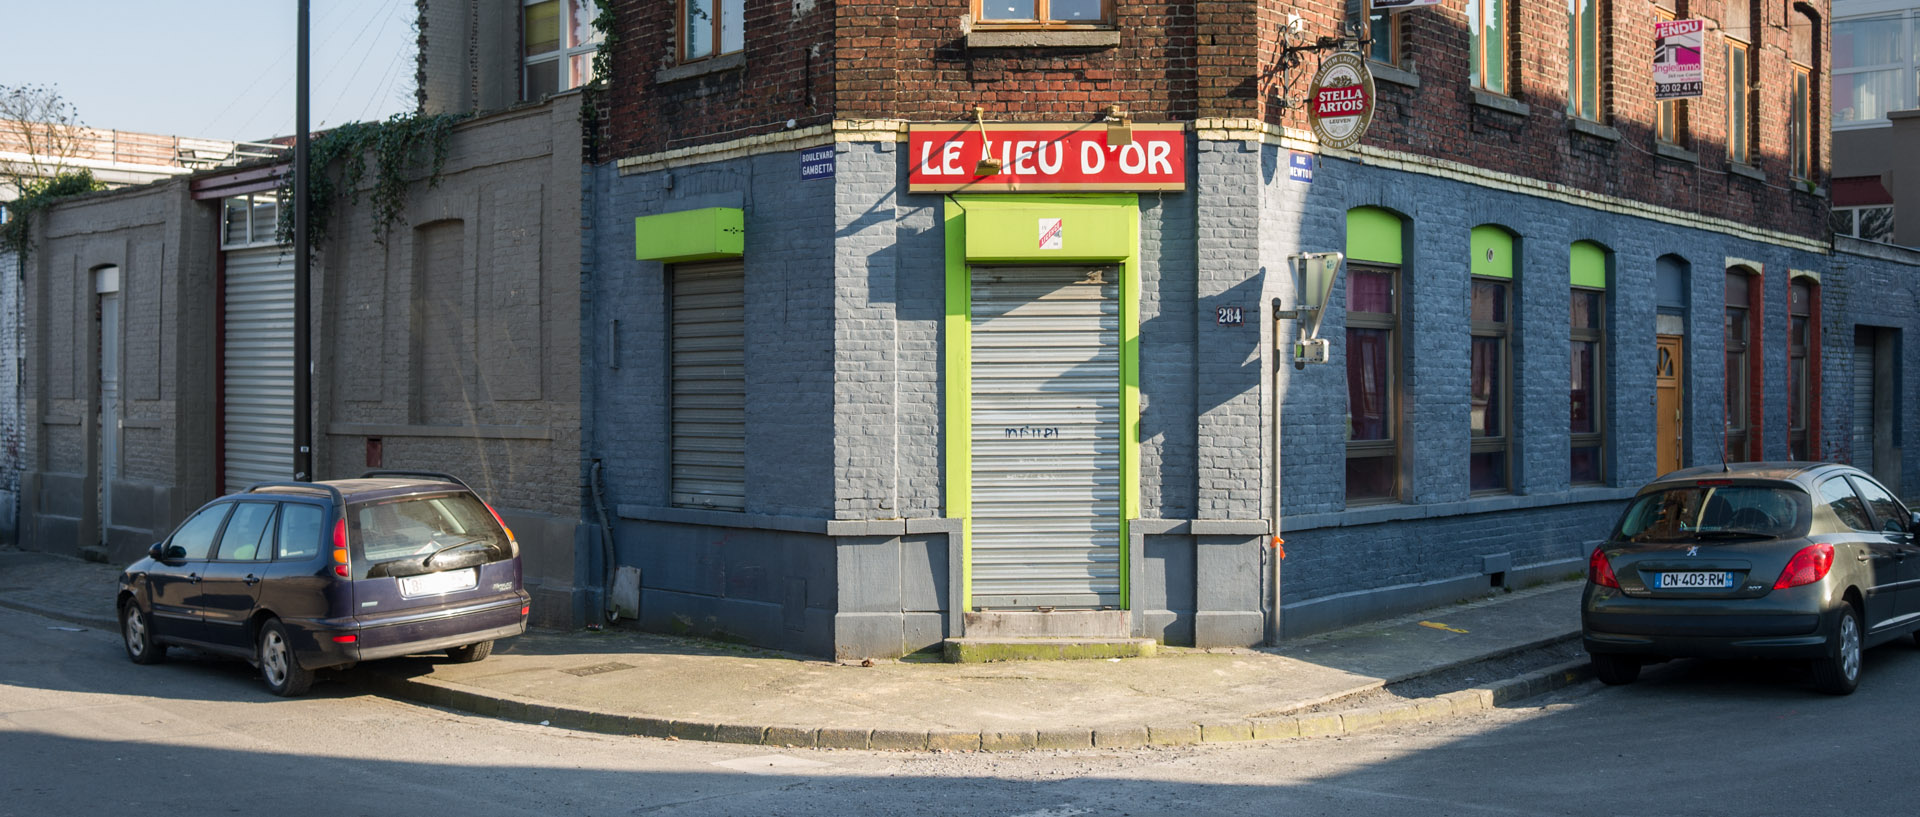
<point x="597" y="669"/>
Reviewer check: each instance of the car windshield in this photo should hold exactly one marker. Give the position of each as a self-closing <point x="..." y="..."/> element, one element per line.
<point x="418" y="534"/>
<point x="1715" y="511"/>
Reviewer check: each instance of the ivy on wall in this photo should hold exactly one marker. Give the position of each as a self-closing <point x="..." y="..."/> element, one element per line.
<point x="593" y="95"/>
<point x="36" y="196"/>
<point x="398" y="147"/>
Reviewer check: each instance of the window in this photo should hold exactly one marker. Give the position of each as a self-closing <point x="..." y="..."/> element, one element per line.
<point x="1803" y="368"/>
<point x="1868" y="223"/>
<point x="1839" y="497"/>
<point x="1040" y="13"/>
<point x="1583" y="59"/>
<point x="301" y="527"/>
<point x="1588" y="271"/>
<point x="1670" y="122"/>
<point x="1801" y="127"/>
<point x="1491" y="376"/>
<point x="1739" y="339"/>
<point x="1373" y="355"/>
<point x="1381" y="27"/>
<point x="1372" y="317"/>
<point x="249" y="221"/>
<point x="709" y="386"/>
<point x="1487" y="45"/>
<point x="559" y="41"/>
<point x="242" y="540"/>
<point x="1892" y="516"/>
<point x="194" y="538"/>
<point x="1739" y="150"/>
<point x="1874" y="69"/>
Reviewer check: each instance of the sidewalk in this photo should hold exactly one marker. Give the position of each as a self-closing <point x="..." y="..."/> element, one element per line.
<point x="627" y="682"/>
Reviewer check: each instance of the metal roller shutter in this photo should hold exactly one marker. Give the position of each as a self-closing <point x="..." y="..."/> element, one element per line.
<point x="1863" y="406"/>
<point x="1046" y="437"/>
<point x="258" y="379"/>
<point x="709" y="386"/>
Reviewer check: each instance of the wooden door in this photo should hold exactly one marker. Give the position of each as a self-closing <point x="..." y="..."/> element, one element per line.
<point x="1668" y="404"/>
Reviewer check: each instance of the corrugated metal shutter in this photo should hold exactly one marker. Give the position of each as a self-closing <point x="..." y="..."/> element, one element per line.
<point x="258" y="380"/>
<point x="1863" y="365"/>
<point x="709" y="386"/>
<point x="1046" y="437"/>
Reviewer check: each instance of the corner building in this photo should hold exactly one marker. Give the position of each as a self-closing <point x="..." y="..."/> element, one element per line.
<point x="852" y="396"/>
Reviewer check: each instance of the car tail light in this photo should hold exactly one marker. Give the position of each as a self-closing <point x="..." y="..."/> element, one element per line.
<point x="1806" y="567"/>
<point x="524" y="608"/>
<point x="340" y="548"/>
<point x="1600" y="571"/>
<point x="345" y="639"/>
<point x="496" y="518"/>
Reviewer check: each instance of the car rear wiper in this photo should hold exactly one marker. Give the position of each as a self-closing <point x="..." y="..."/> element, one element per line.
<point x="460" y="544"/>
<point x="1733" y="533"/>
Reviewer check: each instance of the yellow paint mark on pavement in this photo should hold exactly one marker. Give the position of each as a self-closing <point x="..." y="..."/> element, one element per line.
<point x="1438" y="626"/>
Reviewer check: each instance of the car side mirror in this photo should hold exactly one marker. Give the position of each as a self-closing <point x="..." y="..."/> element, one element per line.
<point x="158" y="552"/>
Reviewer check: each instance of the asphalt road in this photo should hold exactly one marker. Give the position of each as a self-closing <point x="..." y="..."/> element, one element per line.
<point x="85" y="732"/>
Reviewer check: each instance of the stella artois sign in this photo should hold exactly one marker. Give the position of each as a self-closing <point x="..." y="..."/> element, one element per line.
<point x="1340" y="105"/>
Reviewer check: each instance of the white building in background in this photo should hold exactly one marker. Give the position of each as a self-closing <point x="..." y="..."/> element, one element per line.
<point x="1876" y="120"/>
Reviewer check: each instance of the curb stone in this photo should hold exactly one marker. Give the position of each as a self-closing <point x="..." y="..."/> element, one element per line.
<point x="1283" y="727"/>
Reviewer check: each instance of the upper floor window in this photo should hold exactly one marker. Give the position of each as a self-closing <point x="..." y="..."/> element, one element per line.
<point x="1587" y="269"/>
<point x="1487" y="45"/>
<point x="1491" y="363"/>
<point x="1739" y="93"/>
<point x="709" y="28"/>
<point x="1041" y="13"/>
<point x="249" y="221"/>
<point x="1670" y="121"/>
<point x="557" y="44"/>
<point x="1801" y="125"/>
<point x="1381" y="29"/>
<point x="1583" y="59"/>
<point x="1875" y="68"/>
<point x="1870" y="223"/>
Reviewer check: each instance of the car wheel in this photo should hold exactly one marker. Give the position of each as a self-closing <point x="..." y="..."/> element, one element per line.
<point x="470" y="653"/>
<point x="1615" y="670"/>
<point x="285" y="677"/>
<point x="136" y="629"/>
<point x="1839" y="672"/>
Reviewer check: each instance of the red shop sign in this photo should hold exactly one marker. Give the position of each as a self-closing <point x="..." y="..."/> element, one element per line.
<point x="1046" y="157"/>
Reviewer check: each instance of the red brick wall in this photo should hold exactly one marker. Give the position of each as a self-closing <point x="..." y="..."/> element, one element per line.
<point x="1180" y="60"/>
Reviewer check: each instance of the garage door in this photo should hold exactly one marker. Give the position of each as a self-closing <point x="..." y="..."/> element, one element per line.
<point x="258" y="376"/>
<point x="1045" y="529"/>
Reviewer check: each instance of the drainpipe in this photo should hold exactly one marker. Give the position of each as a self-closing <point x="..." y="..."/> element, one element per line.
<point x="1275" y="553"/>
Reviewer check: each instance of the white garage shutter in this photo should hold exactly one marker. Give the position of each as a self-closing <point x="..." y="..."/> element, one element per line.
<point x="258" y="376"/>
<point x="1046" y="437"/>
<point x="709" y="386"/>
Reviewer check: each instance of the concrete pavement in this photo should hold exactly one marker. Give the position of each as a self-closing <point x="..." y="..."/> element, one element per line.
<point x="627" y="682"/>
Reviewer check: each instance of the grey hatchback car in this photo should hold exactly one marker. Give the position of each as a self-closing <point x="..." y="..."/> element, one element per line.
<point x="1754" y="560"/>
<point x="300" y="576"/>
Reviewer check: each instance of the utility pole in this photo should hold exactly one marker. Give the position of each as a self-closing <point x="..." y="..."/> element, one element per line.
<point x="302" y="269"/>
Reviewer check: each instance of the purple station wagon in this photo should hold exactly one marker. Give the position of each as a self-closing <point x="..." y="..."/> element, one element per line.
<point x="299" y="576"/>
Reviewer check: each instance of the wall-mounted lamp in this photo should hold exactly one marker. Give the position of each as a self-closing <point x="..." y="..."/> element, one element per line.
<point x="1119" y="127"/>
<point x="988" y="165"/>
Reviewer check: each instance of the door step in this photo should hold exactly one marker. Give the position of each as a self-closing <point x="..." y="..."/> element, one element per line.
<point x="1085" y="624"/>
<point x="972" y="650"/>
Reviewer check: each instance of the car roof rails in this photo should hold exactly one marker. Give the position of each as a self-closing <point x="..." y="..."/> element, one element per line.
<point x="429" y="474"/>
<point x="338" y="499"/>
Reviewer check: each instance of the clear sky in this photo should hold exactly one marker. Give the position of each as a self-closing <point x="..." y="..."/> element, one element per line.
<point x="220" y="69"/>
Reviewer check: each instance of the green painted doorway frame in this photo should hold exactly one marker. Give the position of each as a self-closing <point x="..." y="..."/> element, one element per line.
<point x="1102" y="228"/>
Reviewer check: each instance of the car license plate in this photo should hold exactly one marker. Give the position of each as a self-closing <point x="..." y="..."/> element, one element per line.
<point x="1694" y="579"/>
<point x="433" y="584"/>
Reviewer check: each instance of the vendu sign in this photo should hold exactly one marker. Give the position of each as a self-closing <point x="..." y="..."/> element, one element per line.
<point x="1044" y="158"/>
